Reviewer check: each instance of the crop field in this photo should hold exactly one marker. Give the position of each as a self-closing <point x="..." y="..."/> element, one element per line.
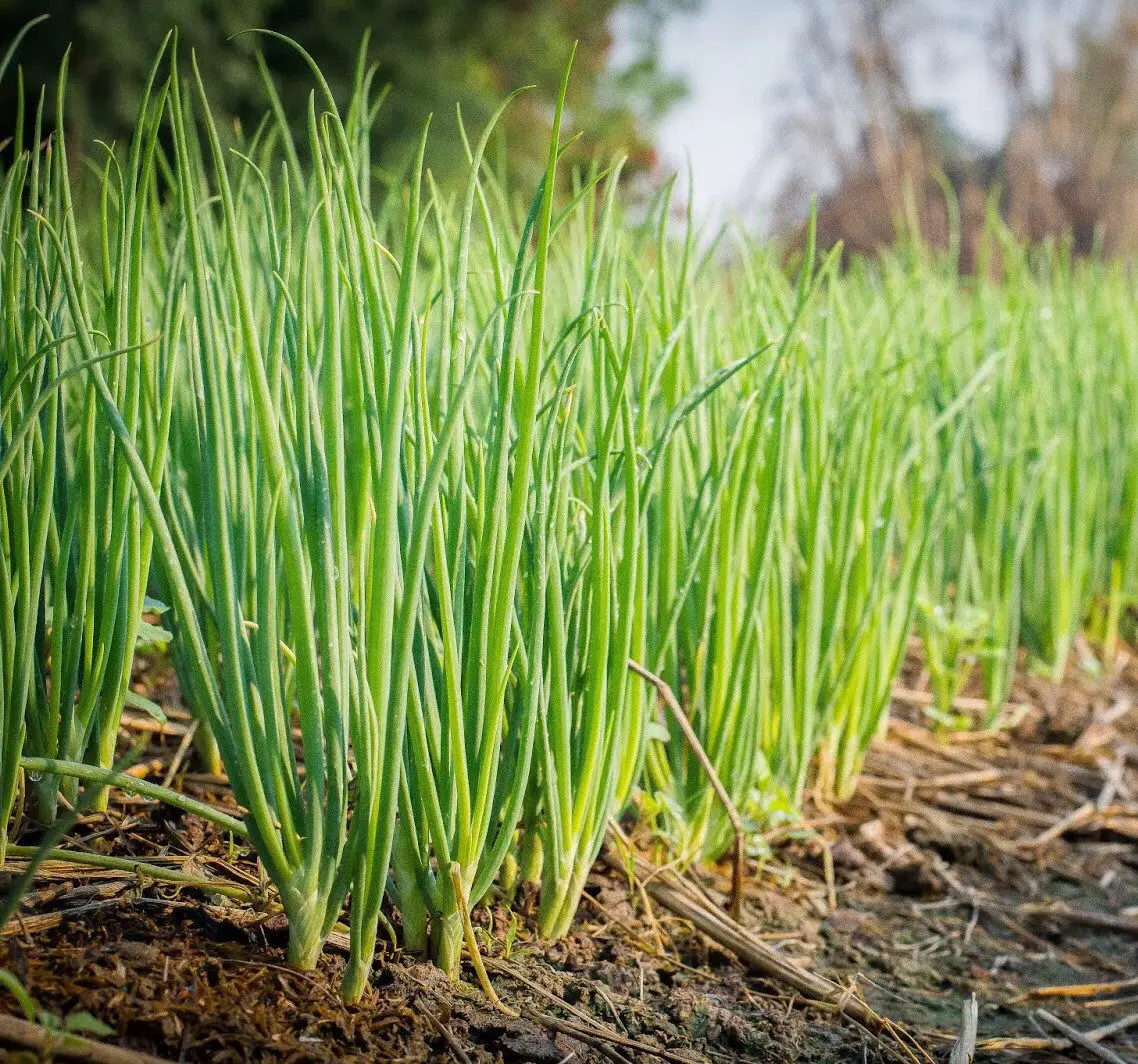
<point x="381" y="562"/>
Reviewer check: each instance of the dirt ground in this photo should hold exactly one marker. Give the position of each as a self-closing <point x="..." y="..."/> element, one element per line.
<point x="1001" y="865"/>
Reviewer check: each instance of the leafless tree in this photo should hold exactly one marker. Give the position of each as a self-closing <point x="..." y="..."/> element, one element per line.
<point x="851" y="131"/>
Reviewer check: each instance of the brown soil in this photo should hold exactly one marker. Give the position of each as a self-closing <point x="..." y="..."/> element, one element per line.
<point x="1016" y="875"/>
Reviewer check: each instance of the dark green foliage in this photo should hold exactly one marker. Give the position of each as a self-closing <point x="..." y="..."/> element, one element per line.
<point x="433" y="54"/>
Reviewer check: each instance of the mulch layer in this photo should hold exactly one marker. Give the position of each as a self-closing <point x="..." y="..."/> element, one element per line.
<point x="998" y="864"/>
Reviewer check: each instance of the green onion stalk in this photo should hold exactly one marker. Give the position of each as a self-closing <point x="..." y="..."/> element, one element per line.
<point x="1119" y="587"/>
<point x="953" y="628"/>
<point x="99" y="546"/>
<point x="732" y="459"/>
<point x="294" y="346"/>
<point x="833" y="606"/>
<point x="478" y="676"/>
<point x="893" y="485"/>
<point x="593" y="727"/>
<point x="29" y="433"/>
<point x="1002" y="480"/>
<point x="1065" y="556"/>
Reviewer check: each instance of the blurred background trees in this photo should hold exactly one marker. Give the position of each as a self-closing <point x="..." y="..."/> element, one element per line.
<point x="853" y="130"/>
<point x="431" y="53"/>
<point x="852" y="134"/>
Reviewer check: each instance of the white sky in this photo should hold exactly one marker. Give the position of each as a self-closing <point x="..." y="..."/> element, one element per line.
<point x="735" y="54"/>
